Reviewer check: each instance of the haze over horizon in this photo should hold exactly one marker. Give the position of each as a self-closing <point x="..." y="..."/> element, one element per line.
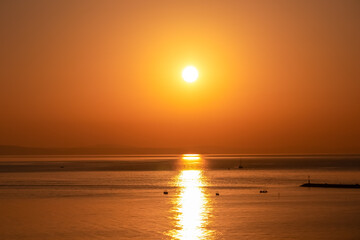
<point x="274" y="76"/>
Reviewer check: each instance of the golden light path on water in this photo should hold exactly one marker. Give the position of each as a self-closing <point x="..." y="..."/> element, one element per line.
<point x="192" y="206"/>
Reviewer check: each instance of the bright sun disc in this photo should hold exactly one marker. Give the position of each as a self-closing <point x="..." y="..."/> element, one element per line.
<point x="190" y="74"/>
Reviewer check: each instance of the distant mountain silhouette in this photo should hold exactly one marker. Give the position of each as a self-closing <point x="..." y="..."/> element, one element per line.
<point x="19" y="150"/>
<point x="114" y="150"/>
<point x="103" y="149"/>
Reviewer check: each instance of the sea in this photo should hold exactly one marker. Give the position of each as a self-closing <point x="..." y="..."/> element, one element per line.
<point x="178" y="196"/>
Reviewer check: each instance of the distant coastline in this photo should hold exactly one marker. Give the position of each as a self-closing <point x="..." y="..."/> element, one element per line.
<point x="118" y="150"/>
<point x="174" y="161"/>
<point x="95" y="150"/>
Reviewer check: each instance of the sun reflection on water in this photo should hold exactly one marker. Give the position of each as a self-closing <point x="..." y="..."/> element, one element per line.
<point x="192" y="205"/>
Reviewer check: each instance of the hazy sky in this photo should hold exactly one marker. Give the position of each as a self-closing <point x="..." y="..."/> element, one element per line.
<point x="274" y="76"/>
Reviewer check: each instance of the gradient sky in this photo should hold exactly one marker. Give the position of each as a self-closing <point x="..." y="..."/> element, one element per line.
<point x="274" y="76"/>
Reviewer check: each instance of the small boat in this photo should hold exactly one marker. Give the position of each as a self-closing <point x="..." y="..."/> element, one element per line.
<point x="240" y="164"/>
<point x="263" y="191"/>
<point x="166" y="192"/>
<point x="217" y="194"/>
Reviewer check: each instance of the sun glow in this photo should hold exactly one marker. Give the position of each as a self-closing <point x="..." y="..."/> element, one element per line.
<point x="191" y="157"/>
<point x="190" y="74"/>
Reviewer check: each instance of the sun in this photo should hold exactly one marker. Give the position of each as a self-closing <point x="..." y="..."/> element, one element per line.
<point x="190" y="74"/>
<point x="191" y="157"/>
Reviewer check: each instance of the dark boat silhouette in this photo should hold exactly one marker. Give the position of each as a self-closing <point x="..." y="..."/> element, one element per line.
<point x="240" y="164"/>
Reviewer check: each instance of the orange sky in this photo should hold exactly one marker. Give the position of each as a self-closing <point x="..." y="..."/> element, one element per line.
<point x="274" y="76"/>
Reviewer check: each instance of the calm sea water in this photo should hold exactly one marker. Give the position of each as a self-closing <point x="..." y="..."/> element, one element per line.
<point x="121" y="197"/>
